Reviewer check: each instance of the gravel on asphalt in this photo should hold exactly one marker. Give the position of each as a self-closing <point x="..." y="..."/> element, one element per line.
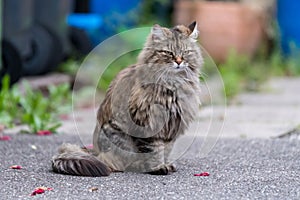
<point x="239" y="169"/>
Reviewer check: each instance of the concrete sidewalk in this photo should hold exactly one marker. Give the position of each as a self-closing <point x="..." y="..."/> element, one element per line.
<point x="270" y="113"/>
<point x="239" y="169"/>
<point x="267" y="114"/>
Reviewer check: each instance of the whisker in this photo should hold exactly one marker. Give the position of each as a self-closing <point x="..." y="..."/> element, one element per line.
<point x="161" y="75"/>
<point x="156" y="73"/>
<point x="166" y="76"/>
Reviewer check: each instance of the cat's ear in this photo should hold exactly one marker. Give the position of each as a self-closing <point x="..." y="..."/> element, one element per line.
<point x="157" y="32"/>
<point x="194" y="31"/>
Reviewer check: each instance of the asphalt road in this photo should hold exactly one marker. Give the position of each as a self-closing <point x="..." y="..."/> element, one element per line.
<point x="239" y="169"/>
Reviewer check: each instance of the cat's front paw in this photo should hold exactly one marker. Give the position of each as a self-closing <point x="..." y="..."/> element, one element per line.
<point x="172" y="168"/>
<point x="163" y="170"/>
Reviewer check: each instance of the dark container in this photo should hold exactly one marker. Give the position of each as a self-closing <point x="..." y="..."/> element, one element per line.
<point x="53" y="15"/>
<point x="36" y="32"/>
<point x="15" y="40"/>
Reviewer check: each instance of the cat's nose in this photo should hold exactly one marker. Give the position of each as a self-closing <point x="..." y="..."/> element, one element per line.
<point x="178" y="60"/>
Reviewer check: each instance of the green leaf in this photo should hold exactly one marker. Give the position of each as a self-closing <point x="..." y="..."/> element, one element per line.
<point x="6" y="119"/>
<point x="5" y="83"/>
<point x="33" y="109"/>
<point x="54" y="127"/>
<point x="37" y="121"/>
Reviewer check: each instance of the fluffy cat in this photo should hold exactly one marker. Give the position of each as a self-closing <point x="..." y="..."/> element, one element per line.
<point x="146" y="108"/>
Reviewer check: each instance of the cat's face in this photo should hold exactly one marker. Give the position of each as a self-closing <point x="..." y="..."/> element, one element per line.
<point x="174" y="48"/>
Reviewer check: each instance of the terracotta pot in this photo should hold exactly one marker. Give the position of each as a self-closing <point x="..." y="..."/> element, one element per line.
<point x="223" y="26"/>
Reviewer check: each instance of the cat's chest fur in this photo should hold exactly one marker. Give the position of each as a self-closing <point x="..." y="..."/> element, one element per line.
<point x="168" y="103"/>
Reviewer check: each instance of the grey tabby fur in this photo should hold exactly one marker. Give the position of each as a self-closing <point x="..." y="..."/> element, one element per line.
<point x="146" y="108"/>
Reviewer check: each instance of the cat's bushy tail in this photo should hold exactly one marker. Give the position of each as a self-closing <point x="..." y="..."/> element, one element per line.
<point x="73" y="160"/>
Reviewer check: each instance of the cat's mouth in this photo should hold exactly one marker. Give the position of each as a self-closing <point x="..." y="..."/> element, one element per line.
<point x="180" y="66"/>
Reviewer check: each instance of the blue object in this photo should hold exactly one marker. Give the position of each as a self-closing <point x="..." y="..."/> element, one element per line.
<point x="288" y="15"/>
<point x="109" y="7"/>
<point x="106" y="18"/>
<point x="91" y="23"/>
<point x="84" y="21"/>
<point x="117" y="15"/>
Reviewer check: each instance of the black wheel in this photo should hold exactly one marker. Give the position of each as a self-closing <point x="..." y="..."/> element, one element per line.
<point x="41" y="48"/>
<point x="11" y="62"/>
<point x="80" y="41"/>
<point x="56" y="53"/>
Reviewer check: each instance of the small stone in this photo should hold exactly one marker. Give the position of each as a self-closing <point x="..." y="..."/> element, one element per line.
<point x="93" y="189"/>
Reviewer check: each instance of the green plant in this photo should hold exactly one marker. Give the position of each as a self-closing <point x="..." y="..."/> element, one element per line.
<point x="33" y="108"/>
<point x="41" y="113"/>
<point x="155" y="11"/>
<point x="288" y="65"/>
<point x="293" y="66"/>
<point x="70" y="66"/>
<point x="233" y="72"/>
<point x="242" y="73"/>
<point x="36" y="113"/>
<point x="232" y="82"/>
<point x="277" y="64"/>
<point x="59" y="98"/>
<point x="9" y="99"/>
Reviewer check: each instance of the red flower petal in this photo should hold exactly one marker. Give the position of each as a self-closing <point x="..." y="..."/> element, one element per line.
<point x="5" y="138"/>
<point x="44" y="132"/>
<point x="37" y="191"/>
<point x="16" y="167"/>
<point x="202" y="174"/>
<point x="40" y="190"/>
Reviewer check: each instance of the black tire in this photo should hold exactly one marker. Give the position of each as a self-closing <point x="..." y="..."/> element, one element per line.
<point x="11" y="62"/>
<point x="80" y="41"/>
<point x="57" y="52"/>
<point x="41" y="48"/>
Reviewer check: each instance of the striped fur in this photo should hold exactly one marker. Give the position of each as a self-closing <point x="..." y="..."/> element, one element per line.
<point x="146" y="108"/>
<point x="74" y="160"/>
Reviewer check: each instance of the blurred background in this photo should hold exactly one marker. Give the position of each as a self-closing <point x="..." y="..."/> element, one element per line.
<point x="242" y="36"/>
<point x="37" y="36"/>
<point x="249" y="40"/>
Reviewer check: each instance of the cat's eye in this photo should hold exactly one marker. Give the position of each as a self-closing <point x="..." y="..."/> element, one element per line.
<point x="170" y="53"/>
<point x="188" y="51"/>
